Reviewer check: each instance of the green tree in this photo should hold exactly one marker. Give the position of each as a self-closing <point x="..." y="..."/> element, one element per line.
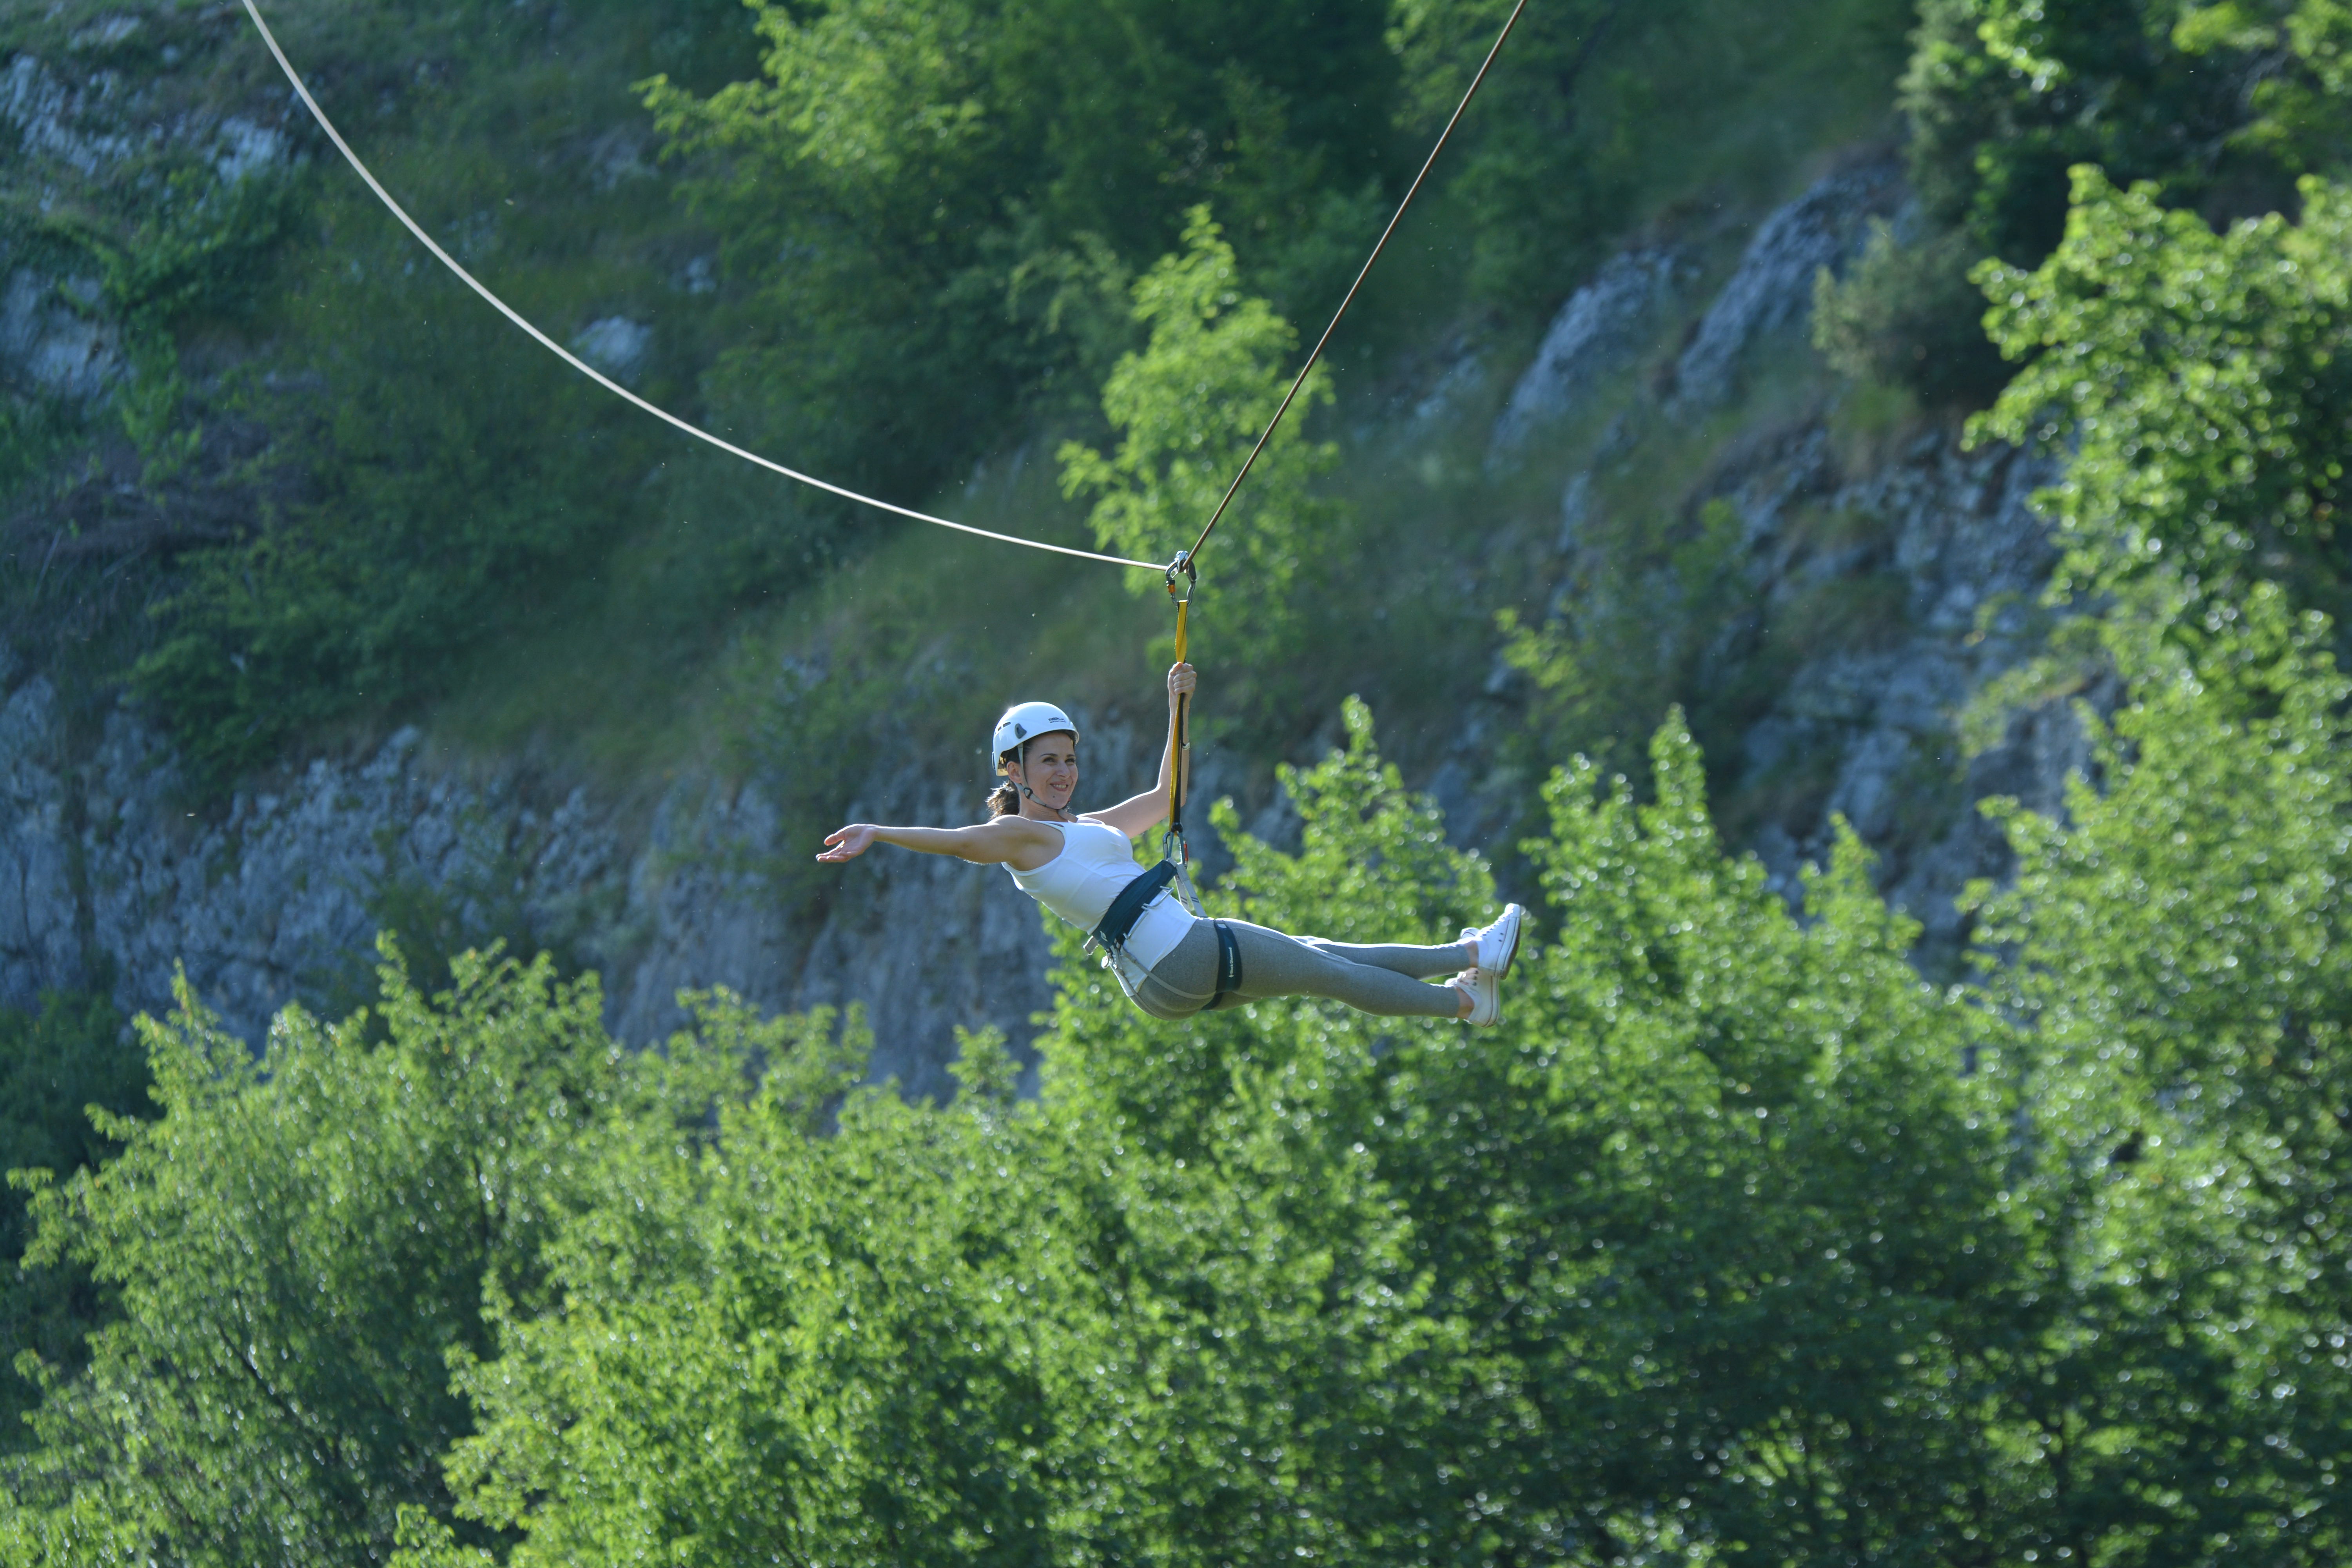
<point x="2303" y="93"/>
<point x="2005" y="96"/>
<point x="2172" y="943"/>
<point x="2180" y="964"/>
<point x="1715" y="1210"/>
<point x="1189" y="407"/>
<point x="2202" y="380"/>
<point x="1704" y="1252"/>
<point x="56" y="1065"/>
<point x="296" y="1243"/>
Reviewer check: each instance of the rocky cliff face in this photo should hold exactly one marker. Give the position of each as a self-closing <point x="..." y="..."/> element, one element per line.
<point x="1953" y="538"/>
<point x="1947" y="537"/>
<point x="278" y="899"/>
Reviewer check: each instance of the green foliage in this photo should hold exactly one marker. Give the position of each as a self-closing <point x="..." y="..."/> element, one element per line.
<point x="1909" y="316"/>
<point x="938" y="204"/>
<point x="55" y="1066"/>
<point x="1695" y="1252"/>
<point x="1716" y="1248"/>
<point x="296" y="1243"/>
<point x="2302" y="97"/>
<point x="410" y="513"/>
<point x="1189" y="408"/>
<point x="1737" y="1208"/>
<point x="2005" y="96"/>
<point x="2174" y="941"/>
<point x="200" y="253"/>
<point x="2181" y="941"/>
<point x="2202" y="379"/>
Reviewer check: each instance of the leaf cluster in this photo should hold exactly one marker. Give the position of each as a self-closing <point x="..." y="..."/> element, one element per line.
<point x="57" y="1064"/>
<point x="2201" y="379"/>
<point x="1191" y="406"/>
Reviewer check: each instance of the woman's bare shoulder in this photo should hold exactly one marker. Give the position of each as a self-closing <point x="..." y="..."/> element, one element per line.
<point x="1029" y="845"/>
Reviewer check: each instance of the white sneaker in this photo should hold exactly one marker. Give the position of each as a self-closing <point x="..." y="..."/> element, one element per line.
<point x="1485" y="989"/>
<point x="1497" y="943"/>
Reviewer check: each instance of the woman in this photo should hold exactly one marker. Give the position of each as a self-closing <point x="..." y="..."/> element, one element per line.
<point x="1172" y="964"/>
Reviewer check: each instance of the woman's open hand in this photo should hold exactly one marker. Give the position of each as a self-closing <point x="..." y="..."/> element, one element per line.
<point x="848" y="843"/>
<point x="1181" y="680"/>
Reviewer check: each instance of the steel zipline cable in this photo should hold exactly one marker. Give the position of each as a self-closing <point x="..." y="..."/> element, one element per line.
<point x="1187" y="561"/>
<point x="1184" y="563"/>
<point x="607" y="382"/>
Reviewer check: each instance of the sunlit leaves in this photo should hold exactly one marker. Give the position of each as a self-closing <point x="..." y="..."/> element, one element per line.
<point x="1189" y="407"/>
<point x="2203" y="382"/>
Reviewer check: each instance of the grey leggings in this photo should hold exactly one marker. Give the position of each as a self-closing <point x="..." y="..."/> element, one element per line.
<point x="1386" y="981"/>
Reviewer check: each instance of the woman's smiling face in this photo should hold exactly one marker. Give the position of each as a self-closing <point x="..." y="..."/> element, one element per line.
<point x="1049" y="767"/>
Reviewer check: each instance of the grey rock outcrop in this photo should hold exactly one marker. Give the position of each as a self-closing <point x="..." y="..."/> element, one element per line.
<point x="616" y="345"/>
<point x="1600" y="328"/>
<point x="77" y="123"/>
<point x="1773" y="284"/>
<point x="48" y="346"/>
<point x="39" y="941"/>
<point x="55" y="337"/>
<point x="1950" y="539"/>
<point x="279" y="899"/>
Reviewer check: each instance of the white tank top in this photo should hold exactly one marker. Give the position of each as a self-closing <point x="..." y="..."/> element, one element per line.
<point x="1094" y="865"/>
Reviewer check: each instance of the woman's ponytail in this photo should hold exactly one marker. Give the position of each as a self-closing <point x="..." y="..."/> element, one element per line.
<point x="1005" y="800"/>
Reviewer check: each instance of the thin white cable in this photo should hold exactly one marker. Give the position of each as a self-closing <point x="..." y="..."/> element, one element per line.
<point x="615" y="388"/>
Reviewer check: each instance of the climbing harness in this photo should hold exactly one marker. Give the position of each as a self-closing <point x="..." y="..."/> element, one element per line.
<point x="1111" y="932"/>
<point x="1110" y="935"/>
<point x="607" y="382"/>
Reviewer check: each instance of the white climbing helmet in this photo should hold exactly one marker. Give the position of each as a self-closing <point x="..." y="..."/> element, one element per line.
<point x="1026" y="722"/>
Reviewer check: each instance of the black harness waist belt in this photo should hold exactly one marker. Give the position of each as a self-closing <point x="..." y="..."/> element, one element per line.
<point x="1128" y="907"/>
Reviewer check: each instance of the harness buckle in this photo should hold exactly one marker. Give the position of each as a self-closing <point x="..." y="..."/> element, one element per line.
<point x="1177" y="856"/>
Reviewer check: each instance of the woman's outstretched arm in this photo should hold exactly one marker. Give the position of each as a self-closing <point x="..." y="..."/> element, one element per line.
<point x="1138" y="815"/>
<point x="1013" y="841"/>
